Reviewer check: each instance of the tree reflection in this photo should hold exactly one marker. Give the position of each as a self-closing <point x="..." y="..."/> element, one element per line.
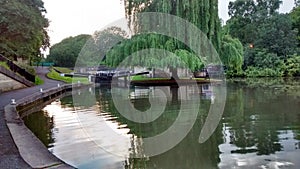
<point x="81" y="98"/>
<point x="187" y="154"/>
<point x="41" y="124"/>
<point x="260" y="120"/>
<point x="255" y="114"/>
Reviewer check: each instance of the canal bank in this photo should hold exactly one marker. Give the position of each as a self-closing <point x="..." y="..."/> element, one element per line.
<point x="19" y="148"/>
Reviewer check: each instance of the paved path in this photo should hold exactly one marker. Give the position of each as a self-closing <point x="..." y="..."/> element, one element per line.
<point x="9" y="154"/>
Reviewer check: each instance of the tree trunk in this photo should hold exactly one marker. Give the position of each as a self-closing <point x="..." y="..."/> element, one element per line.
<point x="174" y="73"/>
<point x="174" y="91"/>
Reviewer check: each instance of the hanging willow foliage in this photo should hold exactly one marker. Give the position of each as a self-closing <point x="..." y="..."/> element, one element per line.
<point x="148" y="50"/>
<point x="202" y="13"/>
<point x="232" y="54"/>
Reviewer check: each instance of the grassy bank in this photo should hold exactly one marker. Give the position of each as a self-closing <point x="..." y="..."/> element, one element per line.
<point x="63" y="70"/>
<point x="143" y="78"/>
<point x="56" y="76"/>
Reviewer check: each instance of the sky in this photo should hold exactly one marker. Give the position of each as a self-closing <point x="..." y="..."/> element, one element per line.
<point x="75" y="17"/>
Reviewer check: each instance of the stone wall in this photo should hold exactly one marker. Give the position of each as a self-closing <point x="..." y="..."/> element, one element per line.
<point x="7" y="84"/>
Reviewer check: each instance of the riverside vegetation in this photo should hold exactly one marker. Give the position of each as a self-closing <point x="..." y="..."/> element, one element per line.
<point x="252" y="43"/>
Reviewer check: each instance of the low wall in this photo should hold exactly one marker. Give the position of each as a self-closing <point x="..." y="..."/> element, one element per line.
<point x="28" y="77"/>
<point x="30" y="147"/>
<point x="15" y="76"/>
<point x="8" y="84"/>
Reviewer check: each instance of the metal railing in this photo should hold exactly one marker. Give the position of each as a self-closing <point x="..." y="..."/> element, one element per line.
<point x="15" y="68"/>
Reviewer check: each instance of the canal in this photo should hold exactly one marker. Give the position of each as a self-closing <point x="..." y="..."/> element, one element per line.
<point x="260" y="127"/>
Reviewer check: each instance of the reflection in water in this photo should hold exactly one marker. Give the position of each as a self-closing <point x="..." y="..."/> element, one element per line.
<point x="41" y="124"/>
<point x="260" y="129"/>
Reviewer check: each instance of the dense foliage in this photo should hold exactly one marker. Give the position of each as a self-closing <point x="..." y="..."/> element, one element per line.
<point x="202" y="13"/>
<point x="23" y="29"/>
<point x="295" y="15"/>
<point x="232" y="54"/>
<point x="155" y="50"/>
<point x="270" y="39"/>
<point x="85" y="50"/>
<point x="96" y="48"/>
<point x="152" y="50"/>
<point x="257" y="41"/>
<point x="65" y="53"/>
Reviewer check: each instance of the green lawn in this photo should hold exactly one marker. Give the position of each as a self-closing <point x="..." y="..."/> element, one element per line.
<point x="56" y="76"/>
<point x="141" y="77"/>
<point x="63" y="69"/>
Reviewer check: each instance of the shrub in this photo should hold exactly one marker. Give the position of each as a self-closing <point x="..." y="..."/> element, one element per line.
<point x="263" y="72"/>
<point x="293" y="66"/>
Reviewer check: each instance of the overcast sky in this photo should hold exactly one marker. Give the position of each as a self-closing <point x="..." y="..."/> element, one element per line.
<point x="74" y="17"/>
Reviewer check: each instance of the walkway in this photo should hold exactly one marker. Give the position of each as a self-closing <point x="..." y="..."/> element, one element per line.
<point x="9" y="154"/>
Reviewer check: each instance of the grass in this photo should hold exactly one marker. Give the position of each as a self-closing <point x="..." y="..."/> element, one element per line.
<point x="63" y="70"/>
<point x="56" y="76"/>
<point x="38" y="81"/>
<point x="4" y="64"/>
<point x="194" y="78"/>
<point x="141" y="77"/>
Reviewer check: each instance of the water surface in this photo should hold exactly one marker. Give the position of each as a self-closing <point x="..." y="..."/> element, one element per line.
<point x="260" y="128"/>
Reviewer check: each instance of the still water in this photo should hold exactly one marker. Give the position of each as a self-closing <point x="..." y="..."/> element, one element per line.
<point x="260" y="127"/>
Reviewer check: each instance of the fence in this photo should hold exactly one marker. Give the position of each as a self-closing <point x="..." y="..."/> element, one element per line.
<point x="46" y="64"/>
<point x="15" y="68"/>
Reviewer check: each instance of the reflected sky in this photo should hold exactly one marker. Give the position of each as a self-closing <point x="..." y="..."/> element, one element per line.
<point x="260" y="128"/>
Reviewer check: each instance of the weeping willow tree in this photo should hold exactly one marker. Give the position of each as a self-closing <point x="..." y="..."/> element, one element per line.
<point x="202" y="13"/>
<point x="232" y="55"/>
<point x="144" y="50"/>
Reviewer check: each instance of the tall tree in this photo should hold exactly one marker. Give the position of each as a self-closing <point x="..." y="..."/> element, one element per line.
<point x="66" y="52"/>
<point x="202" y="13"/>
<point x="295" y="15"/>
<point x="96" y="48"/>
<point x="269" y="38"/>
<point x="241" y="8"/>
<point x="276" y="38"/>
<point x="232" y="55"/>
<point x="248" y="15"/>
<point x="133" y="52"/>
<point x="250" y="8"/>
<point x="23" y="28"/>
<point x="268" y="7"/>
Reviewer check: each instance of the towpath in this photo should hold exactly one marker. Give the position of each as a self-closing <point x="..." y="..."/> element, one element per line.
<point x="9" y="155"/>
